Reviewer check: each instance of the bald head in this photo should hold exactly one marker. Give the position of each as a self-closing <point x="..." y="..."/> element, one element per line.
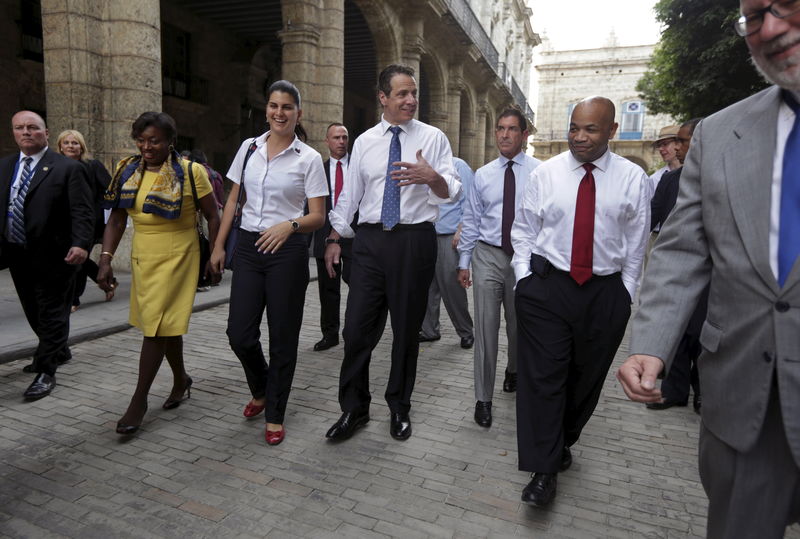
<point x="591" y="127"/>
<point x="30" y="132"/>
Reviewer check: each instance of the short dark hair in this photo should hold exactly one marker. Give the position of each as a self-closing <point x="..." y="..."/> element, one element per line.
<point x="385" y="78"/>
<point x="691" y="124"/>
<point x="198" y="156"/>
<point x="159" y="120"/>
<point x="511" y="111"/>
<point x="287" y="87"/>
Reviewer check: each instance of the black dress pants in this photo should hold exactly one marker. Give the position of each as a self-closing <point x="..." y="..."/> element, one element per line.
<point x="390" y="270"/>
<point x="683" y="372"/>
<point x="567" y="335"/>
<point x="329" y="299"/>
<point x="44" y="284"/>
<point x="275" y="282"/>
<point x="88" y="269"/>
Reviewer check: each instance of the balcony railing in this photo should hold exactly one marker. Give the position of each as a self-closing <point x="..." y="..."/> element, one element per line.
<point x="465" y="17"/>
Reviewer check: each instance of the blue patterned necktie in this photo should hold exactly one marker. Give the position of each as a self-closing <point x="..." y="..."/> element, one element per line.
<point x="17" y="231"/>
<point x="789" y="227"/>
<point x="390" y="211"/>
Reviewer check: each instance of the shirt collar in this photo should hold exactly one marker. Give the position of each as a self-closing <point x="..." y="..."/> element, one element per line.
<point x="343" y="160"/>
<point x="35" y="156"/>
<point x="406" y="127"/>
<point x="296" y="144"/>
<point x="504" y="160"/>
<point x="601" y="163"/>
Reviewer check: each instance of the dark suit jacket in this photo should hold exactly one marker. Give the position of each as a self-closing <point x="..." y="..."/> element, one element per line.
<point x="99" y="178"/>
<point x="318" y="240"/>
<point x="58" y="206"/>
<point x="665" y="197"/>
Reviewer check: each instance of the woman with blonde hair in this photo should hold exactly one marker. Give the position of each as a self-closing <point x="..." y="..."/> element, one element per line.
<point x="71" y="143"/>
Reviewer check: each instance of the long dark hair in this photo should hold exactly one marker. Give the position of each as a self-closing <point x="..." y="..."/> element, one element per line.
<point x="288" y="88"/>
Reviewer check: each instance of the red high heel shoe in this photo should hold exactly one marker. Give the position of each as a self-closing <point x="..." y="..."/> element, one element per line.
<point x="274" y="437"/>
<point x="252" y="410"/>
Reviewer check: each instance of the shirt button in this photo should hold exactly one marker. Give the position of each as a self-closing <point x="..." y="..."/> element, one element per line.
<point x="781" y="306"/>
<point x="767" y="357"/>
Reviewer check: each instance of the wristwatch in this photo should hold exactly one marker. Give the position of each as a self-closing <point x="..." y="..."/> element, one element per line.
<point x="295" y="225"/>
<point x="329" y="240"/>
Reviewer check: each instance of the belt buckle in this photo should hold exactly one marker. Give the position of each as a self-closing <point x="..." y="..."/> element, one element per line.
<point x="386" y="228"/>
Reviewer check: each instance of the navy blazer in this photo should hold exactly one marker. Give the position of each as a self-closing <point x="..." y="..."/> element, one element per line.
<point x="58" y="205"/>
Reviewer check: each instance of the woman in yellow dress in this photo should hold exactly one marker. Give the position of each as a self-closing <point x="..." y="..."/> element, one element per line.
<point x="154" y="189"/>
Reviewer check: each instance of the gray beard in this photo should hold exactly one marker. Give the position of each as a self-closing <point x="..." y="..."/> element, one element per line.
<point x="775" y="76"/>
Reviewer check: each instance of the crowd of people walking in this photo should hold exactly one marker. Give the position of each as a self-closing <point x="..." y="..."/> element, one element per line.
<point x="556" y="247"/>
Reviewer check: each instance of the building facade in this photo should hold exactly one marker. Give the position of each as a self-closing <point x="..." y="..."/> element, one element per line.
<point x="566" y="77"/>
<point x="95" y="65"/>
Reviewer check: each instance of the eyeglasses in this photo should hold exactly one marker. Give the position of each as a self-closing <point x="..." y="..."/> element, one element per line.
<point x="747" y="25"/>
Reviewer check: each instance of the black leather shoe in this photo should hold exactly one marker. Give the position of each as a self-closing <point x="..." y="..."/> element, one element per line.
<point x="347" y="425"/>
<point x="483" y="413"/>
<point x="400" y="426"/>
<point x="325" y="343"/>
<point x="697" y="402"/>
<point x="663" y="405"/>
<point x="41" y="386"/>
<point x="467" y="342"/>
<point x="541" y="490"/>
<point x="510" y="382"/>
<point x="566" y="459"/>
<point x="424" y="338"/>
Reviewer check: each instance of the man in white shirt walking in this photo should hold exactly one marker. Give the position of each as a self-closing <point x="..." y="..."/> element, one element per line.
<point x="485" y="245"/>
<point x="579" y="239"/>
<point x="400" y="171"/>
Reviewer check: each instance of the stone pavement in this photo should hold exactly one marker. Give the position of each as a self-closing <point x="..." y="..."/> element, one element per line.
<point x="202" y="470"/>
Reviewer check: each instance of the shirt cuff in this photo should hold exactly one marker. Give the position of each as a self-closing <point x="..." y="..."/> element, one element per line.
<point x="521" y="270"/>
<point x="464" y="260"/>
<point x="630" y="287"/>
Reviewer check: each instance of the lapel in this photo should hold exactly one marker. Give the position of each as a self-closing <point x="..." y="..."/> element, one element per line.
<point x="6" y="171"/>
<point x="747" y="163"/>
<point x="43" y="169"/>
<point x="327" y="166"/>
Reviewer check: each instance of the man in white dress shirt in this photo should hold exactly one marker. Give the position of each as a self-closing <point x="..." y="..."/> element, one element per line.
<point x="485" y="245"/>
<point x="400" y="171"/>
<point x="579" y="238"/>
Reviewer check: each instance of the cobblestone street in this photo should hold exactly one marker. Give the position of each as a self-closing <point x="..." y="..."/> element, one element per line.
<point x="202" y="470"/>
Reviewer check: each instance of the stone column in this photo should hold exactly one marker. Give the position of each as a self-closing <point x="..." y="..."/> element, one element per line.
<point x="330" y="70"/>
<point x="300" y="38"/>
<point x="413" y="31"/>
<point x="102" y="69"/>
<point x="455" y="86"/>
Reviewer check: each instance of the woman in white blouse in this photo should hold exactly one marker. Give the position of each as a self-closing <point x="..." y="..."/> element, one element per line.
<point x="271" y="256"/>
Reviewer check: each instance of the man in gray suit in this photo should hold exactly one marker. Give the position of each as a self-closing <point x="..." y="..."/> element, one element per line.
<point x="736" y="227"/>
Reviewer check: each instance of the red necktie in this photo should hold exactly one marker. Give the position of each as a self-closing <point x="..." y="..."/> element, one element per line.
<point x="509" y="193"/>
<point x="339" y="182"/>
<point x="583" y="232"/>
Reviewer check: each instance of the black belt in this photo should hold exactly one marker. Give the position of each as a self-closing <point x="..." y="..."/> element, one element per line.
<point x="400" y="226"/>
<point x="489" y="245"/>
<point x="543" y="267"/>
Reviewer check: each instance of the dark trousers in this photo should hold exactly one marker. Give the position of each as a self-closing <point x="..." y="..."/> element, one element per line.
<point x="568" y="335"/>
<point x="390" y="271"/>
<point x="683" y="372"/>
<point x="275" y="282"/>
<point x="329" y="299"/>
<point x="44" y="284"/>
<point x="88" y="269"/>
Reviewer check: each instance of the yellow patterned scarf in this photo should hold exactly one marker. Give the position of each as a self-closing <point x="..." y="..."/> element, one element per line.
<point x="164" y="198"/>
